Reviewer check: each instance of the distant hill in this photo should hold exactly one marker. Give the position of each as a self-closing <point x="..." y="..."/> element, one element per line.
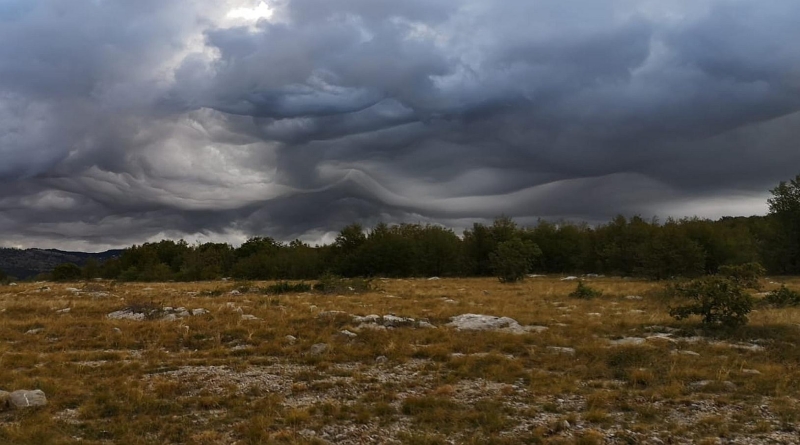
<point x="27" y="263"/>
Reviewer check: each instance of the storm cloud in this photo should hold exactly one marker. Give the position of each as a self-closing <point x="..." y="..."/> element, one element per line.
<point x="122" y="122"/>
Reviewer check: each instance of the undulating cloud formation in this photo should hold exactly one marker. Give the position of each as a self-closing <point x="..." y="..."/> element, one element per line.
<point x="127" y="121"/>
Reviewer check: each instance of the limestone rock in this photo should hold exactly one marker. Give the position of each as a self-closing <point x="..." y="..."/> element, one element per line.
<point x="562" y="350"/>
<point x="318" y="349"/>
<point x="478" y="322"/>
<point x="126" y="314"/>
<point x="628" y="341"/>
<point x="27" y="399"/>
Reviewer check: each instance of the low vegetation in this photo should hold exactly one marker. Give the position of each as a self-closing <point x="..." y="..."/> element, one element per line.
<point x="223" y="362"/>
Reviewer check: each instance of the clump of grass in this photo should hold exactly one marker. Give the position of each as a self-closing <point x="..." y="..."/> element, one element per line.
<point x="585" y="292"/>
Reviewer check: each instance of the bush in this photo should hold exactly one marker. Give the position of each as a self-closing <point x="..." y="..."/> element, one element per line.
<point x="285" y="287"/>
<point x="330" y="284"/>
<point x="67" y="272"/>
<point x="512" y="259"/>
<point x="585" y="292"/>
<point x="719" y="300"/>
<point x="746" y="275"/>
<point x="783" y="297"/>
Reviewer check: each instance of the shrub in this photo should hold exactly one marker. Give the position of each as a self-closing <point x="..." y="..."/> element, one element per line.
<point x="284" y="287"/>
<point x="512" y="259"/>
<point x="718" y="300"/>
<point x="585" y="292"/>
<point x="783" y="297"/>
<point x="67" y="272"/>
<point x="746" y="275"/>
<point x="330" y="284"/>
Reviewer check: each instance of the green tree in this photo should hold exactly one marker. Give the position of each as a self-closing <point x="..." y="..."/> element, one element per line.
<point x="67" y="272"/>
<point x="513" y="259"/>
<point x="784" y="208"/>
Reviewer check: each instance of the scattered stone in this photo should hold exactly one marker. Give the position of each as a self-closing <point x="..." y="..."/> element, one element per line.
<point x="747" y="347"/>
<point x="434" y="279"/>
<point x="727" y="385"/>
<point x="291" y="339"/>
<point x="249" y="317"/>
<point x="392" y="321"/>
<point x="594" y="314"/>
<point x="126" y="314"/>
<point x="118" y="330"/>
<point x="661" y="337"/>
<point x="688" y="352"/>
<point x="72" y="289"/>
<point x="348" y="334"/>
<point x="450" y="301"/>
<point x="12" y="284"/>
<point x="372" y="326"/>
<point x="26" y="399"/>
<point x="372" y="318"/>
<point x="533" y="275"/>
<point x="636" y="311"/>
<point x="569" y="278"/>
<point x="628" y="341"/>
<point x="318" y="349"/>
<point x="199" y="311"/>
<point x="425" y="325"/>
<point x="34" y="331"/>
<point x="381" y="359"/>
<point x="562" y="350"/>
<point x="64" y="311"/>
<point x="751" y="371"/>
<point x="633" y="297"/>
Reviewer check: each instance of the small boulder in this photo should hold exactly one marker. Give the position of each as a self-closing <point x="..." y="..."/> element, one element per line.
<point x="628" y="341"/>
<point x="318" y="349"/>
<point x="478" y="322"/>
<point x="562" y="350"/>
<point x="348" y="334"/>
<point x="27" y="399"/>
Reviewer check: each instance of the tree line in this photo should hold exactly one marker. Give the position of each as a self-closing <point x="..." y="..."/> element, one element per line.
<point x="635" y="247"/>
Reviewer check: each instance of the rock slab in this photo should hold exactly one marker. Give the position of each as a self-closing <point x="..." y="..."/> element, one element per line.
<point x="23" y="399"/>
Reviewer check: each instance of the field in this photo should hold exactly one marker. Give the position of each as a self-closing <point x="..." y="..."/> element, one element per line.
<point x="228" y="362"/>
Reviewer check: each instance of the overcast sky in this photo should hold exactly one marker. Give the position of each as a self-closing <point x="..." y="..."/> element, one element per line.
<point x="130" y="121"/>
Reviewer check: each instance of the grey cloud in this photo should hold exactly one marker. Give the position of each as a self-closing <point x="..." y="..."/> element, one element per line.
<point x="124" y="121"/>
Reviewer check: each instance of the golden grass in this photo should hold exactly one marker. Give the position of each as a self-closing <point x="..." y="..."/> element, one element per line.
<point x="219" y="379"/>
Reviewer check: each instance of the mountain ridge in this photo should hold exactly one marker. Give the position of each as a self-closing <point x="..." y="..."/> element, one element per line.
<point x="27" y="263"/>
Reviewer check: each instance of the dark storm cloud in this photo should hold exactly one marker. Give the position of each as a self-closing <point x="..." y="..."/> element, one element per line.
<point x="127" y="121"/>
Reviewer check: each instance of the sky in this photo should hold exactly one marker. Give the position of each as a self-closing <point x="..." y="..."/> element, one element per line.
<point x="125" y="122"/>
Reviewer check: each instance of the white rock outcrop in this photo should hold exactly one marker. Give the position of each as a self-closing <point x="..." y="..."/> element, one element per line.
<point x="479" y="322"/>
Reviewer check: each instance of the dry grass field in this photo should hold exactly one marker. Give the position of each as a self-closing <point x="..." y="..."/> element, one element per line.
<point x="255" y="368"/>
